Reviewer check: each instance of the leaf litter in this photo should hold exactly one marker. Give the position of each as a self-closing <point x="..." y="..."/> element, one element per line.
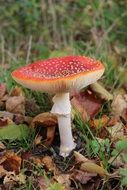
<point x="40" y="161"/>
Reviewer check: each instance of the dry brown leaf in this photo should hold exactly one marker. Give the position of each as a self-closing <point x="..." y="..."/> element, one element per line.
<point x="37" y="140"/>
<point x="48" y="162"/>
<point x="2" y="146"/>
<point x="98" y="123"/>
<point x="5" y="98"/>
<point x="6" y="114"/>
<point x="3" y="90"/>
<point x="112" y="121"/>
<point x="79" y="157"/>
<point x="11" y="162"/>
<point x="5" y="121"/>
<point x="16" y="104"/>
<point x="78" y="107"/>
<point x="2" y="171"/>
<point x="45" y="123"/>
<point x="101" y="91"/>
<point x="117" y="131"/>
<point x="91" y="167"/>
<point x="118" y="105"/>
<point x="11" y="177"/>
<point x="117" y="162"/>
<point x="31" y="107"/>
<point x="42" y="183"/>
<point x="82" y="177"/>
<point x="63" y="179"/>
<point x="86" y="104"/>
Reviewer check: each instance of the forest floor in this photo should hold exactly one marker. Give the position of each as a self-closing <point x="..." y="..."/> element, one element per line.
<point x="29" y="145"/>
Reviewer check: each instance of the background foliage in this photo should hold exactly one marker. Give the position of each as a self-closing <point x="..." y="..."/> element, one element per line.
<point x="38" y="29"/>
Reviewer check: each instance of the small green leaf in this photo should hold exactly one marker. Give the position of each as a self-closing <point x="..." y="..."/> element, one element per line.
<point x="122" y="145"/>
<point x="13" y="132"/>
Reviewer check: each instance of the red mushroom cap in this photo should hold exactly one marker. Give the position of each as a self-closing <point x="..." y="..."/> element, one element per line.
<point x="56" y="75"/>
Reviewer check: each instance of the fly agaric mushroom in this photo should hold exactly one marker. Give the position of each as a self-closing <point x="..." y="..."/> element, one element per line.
<point x="60" y="76"/>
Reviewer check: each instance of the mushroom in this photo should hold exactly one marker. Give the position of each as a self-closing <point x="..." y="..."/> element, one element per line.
<point x="60" y="76"/>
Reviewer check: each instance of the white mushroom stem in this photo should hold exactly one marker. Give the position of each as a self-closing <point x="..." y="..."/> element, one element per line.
<point x="62" y="108"/>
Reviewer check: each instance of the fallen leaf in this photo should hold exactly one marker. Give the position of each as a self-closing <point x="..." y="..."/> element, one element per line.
<point x="37" y="140"/>
<point x="3" y="89"/>
<point x="45" y="123"/>
<point x="63" y="179"/>
<point x="118" y="105"/>
<point x="79" y="157"/>
<point x="2" y="171"/>
<point x="12" y="178"/>
<point x="6" y="114"/>
<point x="91" y="167"/>
<point x="4" y="122"/>
<point x="117" y="162"/>
<point x="101" y="91"/>
<point x="31" y="107"/>
<point x="98" y="123"/>
<point x="117" y="131"/>
<point x="86" y="103"/>
<point x="16" y="104"/>
<point x="82" y="177"/>
<point x="112" y="121"/>
<point x="79" y="108"/>
<point x="13" y="132"/>
<point x="12" y="162"/>
<point x="2" y="146"/>
<point x="42" y="183"/>
<point x="48" y="162"/>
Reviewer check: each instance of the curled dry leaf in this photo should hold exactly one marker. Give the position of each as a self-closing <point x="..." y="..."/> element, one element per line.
<point x="118" y="105"/>
<point x="86" y="104"/>
<point x="45" y="123"/>
<point x="16" y="104"/>
<point x="101" y="91"/>
<point x="11" y="162"/>
<point x="82" y="177"/>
